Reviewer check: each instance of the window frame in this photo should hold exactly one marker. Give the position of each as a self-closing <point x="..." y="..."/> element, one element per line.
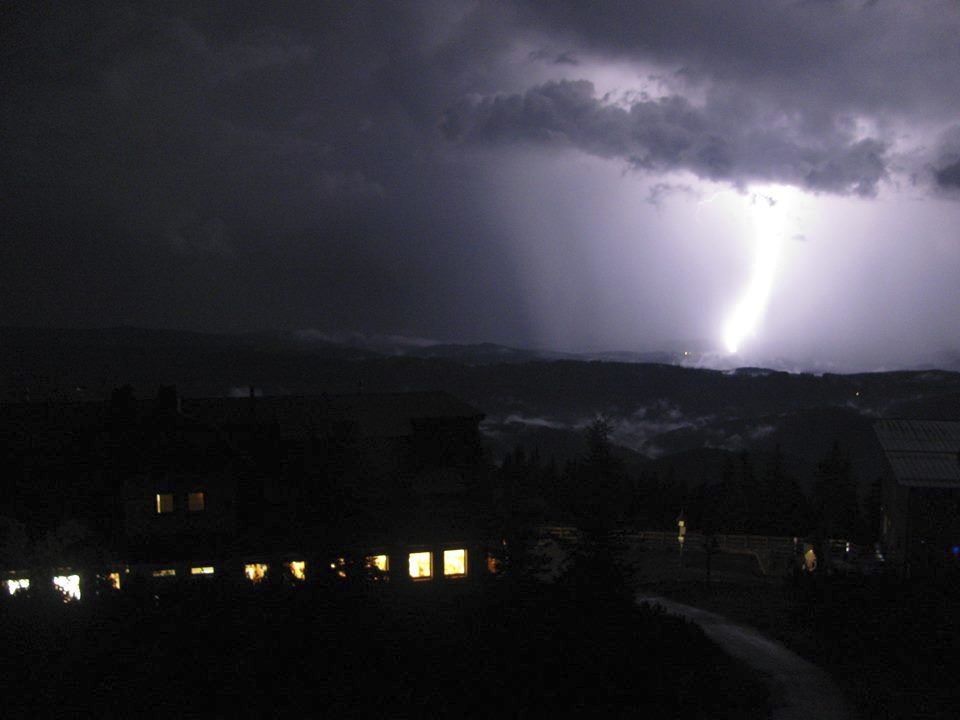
<point x="202" y="494"/>
<point x="159" y="503"/>
<point x="420" y="578"/>
<point x="465" y="559"/>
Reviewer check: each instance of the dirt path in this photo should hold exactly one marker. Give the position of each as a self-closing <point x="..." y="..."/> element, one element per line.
<point x="799" y="690"/>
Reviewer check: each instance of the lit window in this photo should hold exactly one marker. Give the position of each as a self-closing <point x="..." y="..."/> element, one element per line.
<point x="421" y="565"/>
<point x="494" y="564"/>
<point x="114" y="580"/>
<point x="298" y="568"/>
<point x="69" y="585"/>
<point x="196" y="501"/>
<point x="164" y="503"/>
<point x="255" y="572"/>
<point x="339" y="566"/>
<point x="377" y="562"/>
<point x="455" y="563"/>
<point x="18" y="584"/>
<point x="165" y="572"/>
<point x="205" y="570"/>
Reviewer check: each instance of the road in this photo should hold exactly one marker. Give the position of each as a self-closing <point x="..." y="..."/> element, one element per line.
<point x="799" y="690"/>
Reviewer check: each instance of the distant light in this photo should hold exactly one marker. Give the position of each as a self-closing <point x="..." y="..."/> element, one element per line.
<point x="18" y="584"/>
<point x="956" y="550"/>
<point x="455" y="562"/>
<point x="298" y="569"/>
<point x="69" y="585"/>
<point x="205" y="570"/>
<point x="378" y="562"/>
<point x="420" y="565"/>
<point x="255" y="572"/>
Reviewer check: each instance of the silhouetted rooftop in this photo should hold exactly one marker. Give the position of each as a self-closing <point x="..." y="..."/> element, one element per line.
<point x="373" y="414"/>
<point x="922" y="453"/>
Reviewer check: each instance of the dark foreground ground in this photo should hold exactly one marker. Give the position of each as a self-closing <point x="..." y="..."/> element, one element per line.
<point x="892" y="646"/>
<point x="362" y="651"/>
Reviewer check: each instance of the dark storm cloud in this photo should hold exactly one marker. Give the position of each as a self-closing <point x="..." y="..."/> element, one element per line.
<point x="241" y="167"/>
<point x="722" y="140"/>
<point x="829" y="57"/>
<point x="949" y="176"/>
<point x="810" y="93"/>
<point x="331" y="165"/>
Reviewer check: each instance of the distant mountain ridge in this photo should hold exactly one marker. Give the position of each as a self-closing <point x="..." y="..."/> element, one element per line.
<point x="540" y="399"/>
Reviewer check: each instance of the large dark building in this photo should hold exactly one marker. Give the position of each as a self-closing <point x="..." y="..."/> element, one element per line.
<point x="394" y="485"/>
<point x="921" y="494"/>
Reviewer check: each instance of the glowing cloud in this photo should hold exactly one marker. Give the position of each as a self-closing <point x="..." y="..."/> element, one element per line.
<point x="768" y="213"/>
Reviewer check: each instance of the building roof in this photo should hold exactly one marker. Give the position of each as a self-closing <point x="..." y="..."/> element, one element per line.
<point x="374" y="414"/>
<point x="378" y="415"/>
<point x="922" y="453"/>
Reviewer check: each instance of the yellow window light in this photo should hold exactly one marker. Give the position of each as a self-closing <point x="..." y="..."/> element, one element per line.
<point x="421" y="565"/>
<point x="377" y="562"/>
<point x="298" y="568"/>
<point x="255" y="572"/>
<point x="455" y="562"/>
<point x="69" y="585"/>
<point x="164" y="503"/>
<point x="165" y="572"/>
<point x="205" y="570"/>
<point x="17" y="585"/>
<point x="113" y="580"/>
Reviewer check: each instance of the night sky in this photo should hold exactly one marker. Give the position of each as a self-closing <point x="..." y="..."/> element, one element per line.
<point x="779" y="178"/>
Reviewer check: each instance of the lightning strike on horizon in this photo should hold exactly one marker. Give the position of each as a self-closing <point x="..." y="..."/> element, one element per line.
<point x="767" y="215"/>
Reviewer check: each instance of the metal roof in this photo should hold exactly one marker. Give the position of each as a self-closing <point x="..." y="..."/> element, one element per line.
<point x="922" y="453"/>
<point x="925" y="469"/>
<point x="918" y="435"/>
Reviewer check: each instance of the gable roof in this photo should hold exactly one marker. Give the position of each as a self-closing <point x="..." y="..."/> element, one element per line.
<point x="922" y="453"/>
<point x="373" y="414"/>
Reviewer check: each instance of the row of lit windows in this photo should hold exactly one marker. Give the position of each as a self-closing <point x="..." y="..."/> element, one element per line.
<point x="67" y="585"/>
<point x="420" y="566"/>
<point x="196" y="502"/>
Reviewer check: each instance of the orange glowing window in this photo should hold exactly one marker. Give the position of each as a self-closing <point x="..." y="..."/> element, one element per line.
<point x="196" y="501"/>
<point x="297" y="568"/>
<point x="339" y="566"/>
<point x="164" y="503"/>
<point x="494" y="564"/>
<point x="255" y="572"/>
<point x="421" y="565"/>
<point x="205" y="570"/>
<point x="455" y="562"/>
<point x="114" y="580"/>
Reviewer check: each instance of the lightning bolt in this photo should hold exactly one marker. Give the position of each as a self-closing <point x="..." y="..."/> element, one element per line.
<point x="768" y="226"/>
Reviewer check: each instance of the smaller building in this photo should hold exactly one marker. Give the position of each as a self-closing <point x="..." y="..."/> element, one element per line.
<point x="921" y="494"/>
